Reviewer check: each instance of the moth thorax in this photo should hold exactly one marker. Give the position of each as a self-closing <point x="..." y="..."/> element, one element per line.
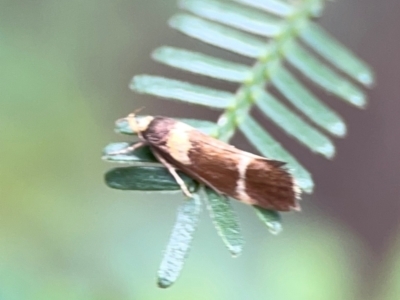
<point x="139" y="124"/>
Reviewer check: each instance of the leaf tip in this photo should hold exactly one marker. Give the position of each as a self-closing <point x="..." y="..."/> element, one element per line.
<point x="328" y="150"/>
<point x="271" y="218"/>
<point x="176" y="21"/>
<point x="339" y="129"/>
<point x="359" y="100"/>
<point x="161" y="52"/>
<point x="109" y="152"/>
<point x="140" y="83"/>
<point x="367" y="78"/>
<point x="163" y="282"/>
<point x="275" y="227"/>
<point x="113" y="147"/>
<point x="122" y="126"/>
<point x="111" y="179"/>
<point x="236" y="250"/>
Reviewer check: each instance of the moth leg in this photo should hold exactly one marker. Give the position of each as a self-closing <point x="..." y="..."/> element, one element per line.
<point x="172" y="170"/>
<point x="129" y="149"/>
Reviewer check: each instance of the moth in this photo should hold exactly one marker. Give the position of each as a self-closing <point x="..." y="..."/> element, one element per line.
<point x="251" y="179"/>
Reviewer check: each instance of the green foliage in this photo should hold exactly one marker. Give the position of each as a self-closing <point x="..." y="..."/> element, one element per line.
<point x="225" y="221"/>
<point x="271" y="32"/>
<point x="179" y="243"/>
<point x="271" y="218"/>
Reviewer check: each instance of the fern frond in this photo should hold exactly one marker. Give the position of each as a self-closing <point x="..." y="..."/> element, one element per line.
<point x="274" y="33"/>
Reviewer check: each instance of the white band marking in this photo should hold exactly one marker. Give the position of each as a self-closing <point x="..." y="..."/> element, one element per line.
<point x="241" y="183"/>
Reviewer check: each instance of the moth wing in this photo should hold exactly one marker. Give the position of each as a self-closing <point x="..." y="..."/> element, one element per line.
<point x="249" y="178"/>
<point x="271" y="186"/>
<point x="229" y="149"/>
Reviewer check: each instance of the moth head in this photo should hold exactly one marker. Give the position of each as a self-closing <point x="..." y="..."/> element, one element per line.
<point x="138" y="124"/>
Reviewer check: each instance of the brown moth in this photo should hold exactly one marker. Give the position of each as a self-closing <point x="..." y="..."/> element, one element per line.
<point x="249" y="178"/>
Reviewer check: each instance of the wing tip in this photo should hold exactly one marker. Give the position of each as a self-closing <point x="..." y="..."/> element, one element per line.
<point x="274" y="188"/>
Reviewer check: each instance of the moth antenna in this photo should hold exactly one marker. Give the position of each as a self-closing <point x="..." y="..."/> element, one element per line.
<point x="137" y="110"/>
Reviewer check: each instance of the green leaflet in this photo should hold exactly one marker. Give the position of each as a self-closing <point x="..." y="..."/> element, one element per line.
<point x="323" y="75"/>
<point x="179" y="90"/>
<point x="271" y="218"/>
<point x="139" y="156"/>
<point x="236" y="16"/>
<point x="202" y="64"/>
<point x="219" y="36"/>
<point x="179" y="243"/>
<point x="276" y="7"/>
<point x="141" y="178"/>
<point x="225" y="221"/>
<point x="307" y="103"/>
<point x="315" y="36"/>
<point x="293" y="124"/>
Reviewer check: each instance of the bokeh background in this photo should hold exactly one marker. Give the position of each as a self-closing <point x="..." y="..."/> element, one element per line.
<point x="64" y="73"/>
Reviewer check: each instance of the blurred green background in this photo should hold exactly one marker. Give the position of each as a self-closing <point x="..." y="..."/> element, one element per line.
<point x="64" y="73"/>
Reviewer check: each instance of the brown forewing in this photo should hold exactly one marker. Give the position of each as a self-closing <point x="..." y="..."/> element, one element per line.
<point x="215" y="164"/>
<point x="271" y="186"/>
<point x="211" y="163"/>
